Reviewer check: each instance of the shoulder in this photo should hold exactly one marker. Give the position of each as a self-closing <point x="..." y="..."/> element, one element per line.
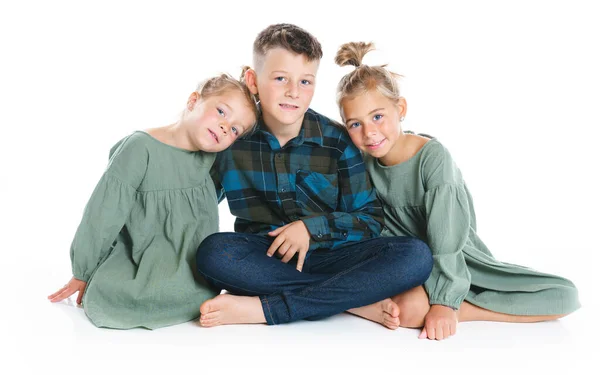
<point x="435" y="150"/>
<point x="133" y="148"/>
<point x="133" y="143"/>
<point x="329" y="127"/>
<point x="333" y="133"/>
<point x="437" y="164"/>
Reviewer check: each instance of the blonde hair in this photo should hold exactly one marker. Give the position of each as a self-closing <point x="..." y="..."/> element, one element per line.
<point x="223" y="83"/>
<point x="364" y="78"/>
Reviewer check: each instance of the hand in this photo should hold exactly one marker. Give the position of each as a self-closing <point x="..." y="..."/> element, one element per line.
<point x="291" y="239"/>
<point x="74" y="285"/>
<point x="440" y="323"/>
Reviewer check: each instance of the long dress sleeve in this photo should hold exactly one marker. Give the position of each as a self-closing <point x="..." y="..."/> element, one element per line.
<point x="448" y="217"/>
<point x="109" y="206"/>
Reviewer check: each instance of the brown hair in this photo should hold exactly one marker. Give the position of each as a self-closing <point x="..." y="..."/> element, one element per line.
<point x="364" y="77"/>
<point x="223" y="83"/>
<point x="289" y="37"/>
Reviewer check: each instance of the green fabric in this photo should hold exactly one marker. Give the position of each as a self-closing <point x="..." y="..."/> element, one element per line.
<point x="426" y="197"/>
<point x="137" y="240"/>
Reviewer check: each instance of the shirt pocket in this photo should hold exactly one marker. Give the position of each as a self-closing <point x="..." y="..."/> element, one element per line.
<point x="316" y="192"/>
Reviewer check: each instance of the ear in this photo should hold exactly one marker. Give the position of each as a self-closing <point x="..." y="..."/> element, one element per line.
<point x="192" y="100"/>
<point x="250" y="78"/>
<point x="401" y="107"/>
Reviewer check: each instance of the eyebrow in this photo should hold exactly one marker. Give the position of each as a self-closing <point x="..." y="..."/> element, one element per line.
<point x="283" y="71"/>
<point x="373" y="111"/>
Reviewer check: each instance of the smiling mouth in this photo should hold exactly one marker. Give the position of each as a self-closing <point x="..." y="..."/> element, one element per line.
<point x="376" y="144"/>
<point x="214" y="135"/>
<point x="288" y="106"/>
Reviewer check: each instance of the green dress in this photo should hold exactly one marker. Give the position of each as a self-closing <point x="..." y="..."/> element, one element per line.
<point x="426" y="197"/>
<point x="136" y="244"/>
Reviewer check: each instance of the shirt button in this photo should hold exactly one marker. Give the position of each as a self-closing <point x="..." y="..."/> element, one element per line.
<point x="319" y="235"/>
<point x="279" y="156"/>
<point x="283" y="190"/>
<point x="345" y="234"/>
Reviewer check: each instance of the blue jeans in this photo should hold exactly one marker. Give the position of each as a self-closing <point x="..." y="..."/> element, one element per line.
<point x="331" y="281"/>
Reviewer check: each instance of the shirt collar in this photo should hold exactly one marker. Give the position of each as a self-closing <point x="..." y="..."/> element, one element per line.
<point x="311" y="130"/>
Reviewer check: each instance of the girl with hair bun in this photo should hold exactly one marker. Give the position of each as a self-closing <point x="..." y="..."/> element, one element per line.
<point x="425" y="196"/>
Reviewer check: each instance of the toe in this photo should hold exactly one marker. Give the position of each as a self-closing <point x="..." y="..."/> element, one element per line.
<point x="391" y="322"/>
<point x="391" y="308"/>
<point x="206" y="307"/>
<point x="210" y="322"/>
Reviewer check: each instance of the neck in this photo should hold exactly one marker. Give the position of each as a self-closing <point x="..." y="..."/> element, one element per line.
<point x="283" y="132"/>
<point x="174" y="135"/>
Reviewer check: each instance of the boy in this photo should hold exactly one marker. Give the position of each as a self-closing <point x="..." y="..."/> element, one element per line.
<point x="300" y="191"/>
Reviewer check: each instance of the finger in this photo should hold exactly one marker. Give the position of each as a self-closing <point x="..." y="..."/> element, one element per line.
<point x="446" y="333"/>
<point x="283" y="249"/>
<point x="431" y="333"/>
<point x="301" y="258"/>
<point x="57" y="293"/>
<point x="439" y="332"/>
<point x="275" y="245"/>
<point x="278" y="230"/>
<point x="80" y="295"/>
<point x="289" y="254"/>
<point x="453" y="327"/>
<point x="65" y="294"/>
<point x="423" y="334"/>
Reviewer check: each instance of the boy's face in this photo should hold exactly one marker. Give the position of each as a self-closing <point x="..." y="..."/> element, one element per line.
<point x="286" y="85"/>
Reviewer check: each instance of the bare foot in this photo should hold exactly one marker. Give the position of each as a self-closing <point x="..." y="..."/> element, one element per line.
<point x="385" y="312"/>
<point x="230" y="309"/>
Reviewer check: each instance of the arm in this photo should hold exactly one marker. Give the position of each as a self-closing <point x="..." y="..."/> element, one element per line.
<point x="447" y="210"/>
<point x="104" y="215"/>
<point x="448" y="220"/>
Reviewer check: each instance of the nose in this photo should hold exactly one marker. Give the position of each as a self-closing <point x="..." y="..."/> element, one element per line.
<point x="369" y="129"/>
<point x="292" y="90"/>
<point x="224" y="127"/>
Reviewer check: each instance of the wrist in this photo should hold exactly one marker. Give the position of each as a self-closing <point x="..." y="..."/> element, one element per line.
<point x="438" y="306"/>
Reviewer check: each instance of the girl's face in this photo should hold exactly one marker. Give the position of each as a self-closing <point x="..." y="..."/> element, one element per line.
<point x="373" y="121"/>
<point x="214" y="123"/>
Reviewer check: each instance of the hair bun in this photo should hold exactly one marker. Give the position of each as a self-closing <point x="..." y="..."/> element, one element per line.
<point x="352" y="53"/>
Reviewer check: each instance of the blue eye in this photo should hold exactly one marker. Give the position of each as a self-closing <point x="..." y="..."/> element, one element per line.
<point x="354" y="125"/>
<point x="234" y="130"/>
<point x="305" y="82"/>
<point x="377" y="117"/>
<point x="221" y="112"/>
<point x="280" y="79"/>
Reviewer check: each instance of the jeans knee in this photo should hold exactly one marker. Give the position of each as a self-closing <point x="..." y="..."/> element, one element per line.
<point x="416" y="255"/>
<point x="423" y="258"/>
<point x="206" y="256"/>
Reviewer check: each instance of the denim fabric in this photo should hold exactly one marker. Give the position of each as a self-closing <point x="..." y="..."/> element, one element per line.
<point x="332" y="280"/>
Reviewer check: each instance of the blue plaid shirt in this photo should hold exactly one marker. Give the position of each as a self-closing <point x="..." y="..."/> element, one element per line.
<point x="318" y="177"/>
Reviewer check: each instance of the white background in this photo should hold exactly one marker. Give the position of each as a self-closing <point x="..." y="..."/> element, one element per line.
<point x="510" y="87"/>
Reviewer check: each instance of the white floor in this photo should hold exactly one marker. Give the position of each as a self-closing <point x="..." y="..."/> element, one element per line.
<point x="59" y="337"/>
